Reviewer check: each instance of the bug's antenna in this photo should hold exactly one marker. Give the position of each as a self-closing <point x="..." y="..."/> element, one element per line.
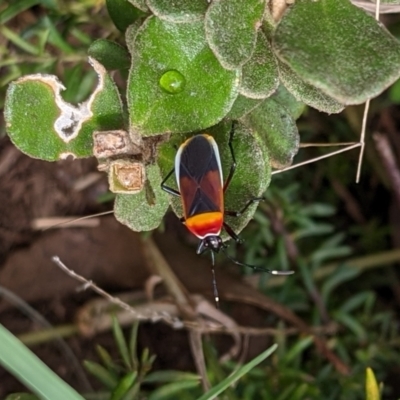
<point x="214" y="281"/>
<point x="272" y="272"/>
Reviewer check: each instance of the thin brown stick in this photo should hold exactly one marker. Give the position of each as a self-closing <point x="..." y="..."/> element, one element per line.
<point x="149" y="315"/>
<point x="40" y="224"/>
<point x="312" y="160"/>
<point x="304" y="145"/>
<point x="73" y="220"/>
<point x="365" y="116"/>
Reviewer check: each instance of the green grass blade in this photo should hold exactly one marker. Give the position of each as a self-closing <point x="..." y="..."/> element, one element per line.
<point x="16" y="8"/>
<point x="18" y="41"/>
<point x="121" y="343"/>
<point x="31" y="371"/>
<point x="218" y="389"/>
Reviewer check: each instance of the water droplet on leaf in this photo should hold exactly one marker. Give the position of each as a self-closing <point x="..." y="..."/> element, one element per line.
<point x="172" y="82"/>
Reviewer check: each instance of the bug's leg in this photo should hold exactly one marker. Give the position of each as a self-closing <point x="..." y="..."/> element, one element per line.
<point x="247" y="205"/>
<point x="231" y="233"/>
<point x="168" y="189"/>
<point x="233" y="165"/>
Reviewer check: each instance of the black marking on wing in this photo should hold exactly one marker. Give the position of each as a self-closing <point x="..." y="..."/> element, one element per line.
<point x="199" y="166"/>
<point x="198" y="158"/>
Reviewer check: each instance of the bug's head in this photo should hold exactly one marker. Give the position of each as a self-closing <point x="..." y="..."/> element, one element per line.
<point x="213" y="243"/>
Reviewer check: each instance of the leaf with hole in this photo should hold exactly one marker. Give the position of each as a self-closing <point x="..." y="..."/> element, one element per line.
<point x="41" y="124"/>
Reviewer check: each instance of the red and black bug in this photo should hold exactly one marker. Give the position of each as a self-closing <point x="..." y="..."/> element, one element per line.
<point x="201" y="187"/>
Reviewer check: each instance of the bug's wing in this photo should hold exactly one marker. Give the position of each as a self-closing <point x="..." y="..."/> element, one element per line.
<point x="200" y="177"/>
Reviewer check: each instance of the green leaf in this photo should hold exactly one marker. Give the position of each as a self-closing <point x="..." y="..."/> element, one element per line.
<point x="31" y="371"/>
<point x="123" y="13"/>
<point x="218" y="389"/>
<point x="318" y="210"/>
<point x="133" y="345"/>
<point x="178" y="11"/>
<point x="252" y="175"/>
<point x="140" y="4"/>
<point x="106" y="377"/>
<point x="79" y="83"/>
<point x="110" y="54"/>
<point x="143" y="211"/>
<point x="352" y="324"/>
<point x="286" y="99"/>
<point x="41" y="124"/>
<point x="371" y="386"/>
<point x="356" y="301"/>
<point x="260" y="74"/>
<point x="55" y="38"/>
<point x="394" y="92"/>
<point x="171" y="390"/>
<point x="339" y="276"/>
<point x="121" y="343"/>
<point x="338" y="48"/>
<point x="231" y="28"/>
<point x="242" y="106"/>
<point x="18" y="41"/>
<point x="173" y="74"/>
<point x="306" y="93"/>
<point x="170" y="376"/>
<point x="106" y="358"/>
<point x="16" y="8"/>
<point x="297" y="349"/>
<point x="124" y="385"/>
<point x="277" y="129"/>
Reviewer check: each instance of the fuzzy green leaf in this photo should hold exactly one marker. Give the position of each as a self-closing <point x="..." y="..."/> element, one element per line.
<point x="178" y="11"/>
<point x="338" y="48"/>
<point x="242" y="106"/>
<point x="123" y="13"/>
<point x="167" y="55"/>
<point x="287" y="100"/>
<point x="251" y="178"/>
<point x="110" y="54"/>
<point x="306" y="93"/>
<point x="140" y="4"/>
<point x="278" y="129"/>
<point x="143" y="211"/>
<point x="41" y="124"/>
<point x="260" y="74"/>
<point x="231" y="29"/>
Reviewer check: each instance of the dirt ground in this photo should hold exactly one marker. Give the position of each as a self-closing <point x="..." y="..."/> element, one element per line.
<point x="107" y="253"/>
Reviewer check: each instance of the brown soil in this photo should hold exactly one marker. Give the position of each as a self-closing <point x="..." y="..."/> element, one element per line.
<point x="109" y="254"/>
